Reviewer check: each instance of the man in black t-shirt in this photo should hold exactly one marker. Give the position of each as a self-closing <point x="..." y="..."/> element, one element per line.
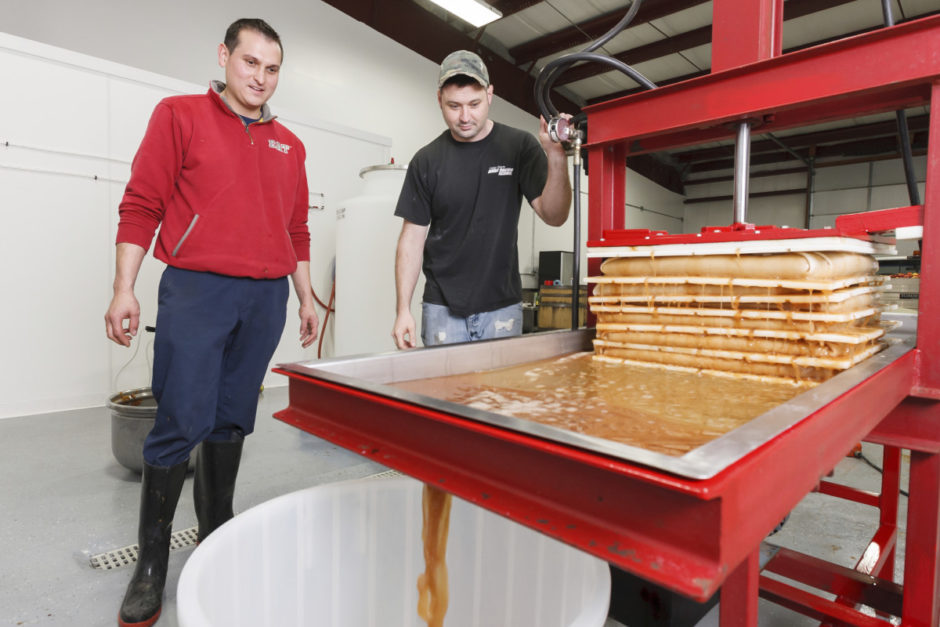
<point x="460" y="205"/>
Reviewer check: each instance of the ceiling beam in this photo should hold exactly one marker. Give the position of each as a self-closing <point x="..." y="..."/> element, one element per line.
<point x="658" y="171"/>
<point x="780" y="192"/>
<point x="423" y="32"/>
<point x="753" y="175"/>
<point x="865" y="148"/>
<point x="637" y="55"/>
<point x="802" y="170"/>
<point x="847" y="133"/>
<point x="629" y="92"/>
<point x="589" y="30"/>
<point x="684" y="41"/>
<point x="510" y="7"/>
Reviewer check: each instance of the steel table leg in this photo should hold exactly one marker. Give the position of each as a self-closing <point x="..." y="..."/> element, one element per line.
<point x="890" y="497"/>
<point x="922" y="555"/>
<point x="739" y="594"/>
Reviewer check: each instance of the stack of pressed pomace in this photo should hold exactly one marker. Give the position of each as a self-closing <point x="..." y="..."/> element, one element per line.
<point x="788" y="317"/>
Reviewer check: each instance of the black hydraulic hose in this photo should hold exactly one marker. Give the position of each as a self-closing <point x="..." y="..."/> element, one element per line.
<point x="555" y="68"/>
<point x="904" y="134"/>
<point x="576" y="261"/>
<point x="615" y="30"/>
<point x="543" y="87"/>
<point x="907" y="156"/>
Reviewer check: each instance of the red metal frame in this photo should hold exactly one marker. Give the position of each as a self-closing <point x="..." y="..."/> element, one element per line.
<point x="688" y="535"/>
<point x="827" y="82"/>
<point x="729" y="49"/>
<point x="696" y="536"/>
<point x="879" y="71"/>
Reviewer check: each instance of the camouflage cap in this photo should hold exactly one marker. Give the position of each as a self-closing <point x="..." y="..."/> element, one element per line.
<point x="466" y="63"/>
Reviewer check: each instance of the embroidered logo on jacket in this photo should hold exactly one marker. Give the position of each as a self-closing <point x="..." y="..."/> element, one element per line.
<point x="273" y="143"/>
<point x="500" y="170"/>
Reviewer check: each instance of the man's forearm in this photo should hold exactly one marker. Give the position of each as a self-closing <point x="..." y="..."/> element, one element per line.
<point x="301" y="280"/>
<point x="554" y="204"/>
<point x="128" y="259"/>
<point x="408" y="258"/>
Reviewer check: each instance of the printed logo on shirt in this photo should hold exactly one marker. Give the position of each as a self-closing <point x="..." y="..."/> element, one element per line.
<point x="500" y="170"/>
<point x="273" y="143"/>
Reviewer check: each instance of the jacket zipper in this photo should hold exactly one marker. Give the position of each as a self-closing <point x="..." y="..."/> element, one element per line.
<point x="248" y="127"/>
<point x="185" y="235"/>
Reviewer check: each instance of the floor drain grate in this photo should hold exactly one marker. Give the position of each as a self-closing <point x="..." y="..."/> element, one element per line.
<point x="388" y="474"/>
<point x="128" y="554"/>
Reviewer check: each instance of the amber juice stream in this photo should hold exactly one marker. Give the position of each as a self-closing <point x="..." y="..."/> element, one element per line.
<point x="433" y="591"/>
<point x="655" y="409"/>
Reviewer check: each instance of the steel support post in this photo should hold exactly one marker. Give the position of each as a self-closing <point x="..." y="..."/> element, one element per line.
<point x="928" y="325"/>
<point x="915" y="425"/>
<point x="883" y="567"/>
<point x="742" y="171"/>
<point x="606" y="190"/>
<point x="922" y="562"/>
<point x="739" y="594"/>
<point x="810" y="189"/>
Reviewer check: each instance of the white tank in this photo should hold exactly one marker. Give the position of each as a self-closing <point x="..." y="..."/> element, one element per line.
<point x="366" y="237"/>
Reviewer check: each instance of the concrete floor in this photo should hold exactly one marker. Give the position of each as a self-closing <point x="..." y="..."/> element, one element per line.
<point x="65" y="499"/>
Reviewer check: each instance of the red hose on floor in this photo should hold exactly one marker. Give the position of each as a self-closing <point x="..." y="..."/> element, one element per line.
<point x="326" y="318"/>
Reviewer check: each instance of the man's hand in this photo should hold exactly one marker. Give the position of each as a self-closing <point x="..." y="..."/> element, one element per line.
<point x="554" y="203"/>
<point x="124" y="306"/>
<point x="546" y="139"/>
<point x="309" y="323"/>
<point x="404" y="331"/>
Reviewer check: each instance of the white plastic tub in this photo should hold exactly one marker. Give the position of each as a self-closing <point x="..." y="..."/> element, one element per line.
<point x="349" y="555"/>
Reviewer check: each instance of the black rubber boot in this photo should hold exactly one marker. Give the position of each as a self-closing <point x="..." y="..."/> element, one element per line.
<point x="214" y="483"/>
<point x="160" y="491"/>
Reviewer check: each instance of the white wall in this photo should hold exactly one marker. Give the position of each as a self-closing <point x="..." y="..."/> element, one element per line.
<point x="337" y="72"/>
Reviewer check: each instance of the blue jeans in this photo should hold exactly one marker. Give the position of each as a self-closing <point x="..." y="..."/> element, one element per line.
<point x="438" y="326"/>
<point x="215" y="336"/>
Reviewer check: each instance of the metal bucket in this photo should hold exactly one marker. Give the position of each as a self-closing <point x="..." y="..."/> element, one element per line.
<point x="132" y="416"/>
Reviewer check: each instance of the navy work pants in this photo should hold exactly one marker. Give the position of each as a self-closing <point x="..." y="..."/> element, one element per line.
<point x="215" y="336"/>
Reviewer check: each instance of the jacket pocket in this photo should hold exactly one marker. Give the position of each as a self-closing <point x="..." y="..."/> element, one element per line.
<point x="186" y="233"/>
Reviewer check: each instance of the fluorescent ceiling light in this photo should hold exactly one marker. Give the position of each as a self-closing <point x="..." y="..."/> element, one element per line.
<point x="472" y="11"/>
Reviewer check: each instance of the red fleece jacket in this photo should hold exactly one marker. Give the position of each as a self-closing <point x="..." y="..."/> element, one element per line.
<point x="229" y="199"/>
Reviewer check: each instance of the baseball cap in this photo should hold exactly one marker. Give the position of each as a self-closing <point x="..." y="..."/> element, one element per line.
<point x="464" y="62"/>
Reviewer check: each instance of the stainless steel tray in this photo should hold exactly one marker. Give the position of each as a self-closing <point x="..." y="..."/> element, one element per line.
<point x="374" y="373"/>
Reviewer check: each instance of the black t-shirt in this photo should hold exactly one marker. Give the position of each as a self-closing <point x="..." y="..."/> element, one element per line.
<point x="470" y="193"/>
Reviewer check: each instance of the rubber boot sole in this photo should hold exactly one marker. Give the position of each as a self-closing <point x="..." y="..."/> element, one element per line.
<point x="145" y="623"/>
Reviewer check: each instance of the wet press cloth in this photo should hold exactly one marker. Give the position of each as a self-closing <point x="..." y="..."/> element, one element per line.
<point x="796" y="317"/>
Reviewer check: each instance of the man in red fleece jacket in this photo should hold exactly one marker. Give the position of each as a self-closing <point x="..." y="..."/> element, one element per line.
<point x="226" y="185"/>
